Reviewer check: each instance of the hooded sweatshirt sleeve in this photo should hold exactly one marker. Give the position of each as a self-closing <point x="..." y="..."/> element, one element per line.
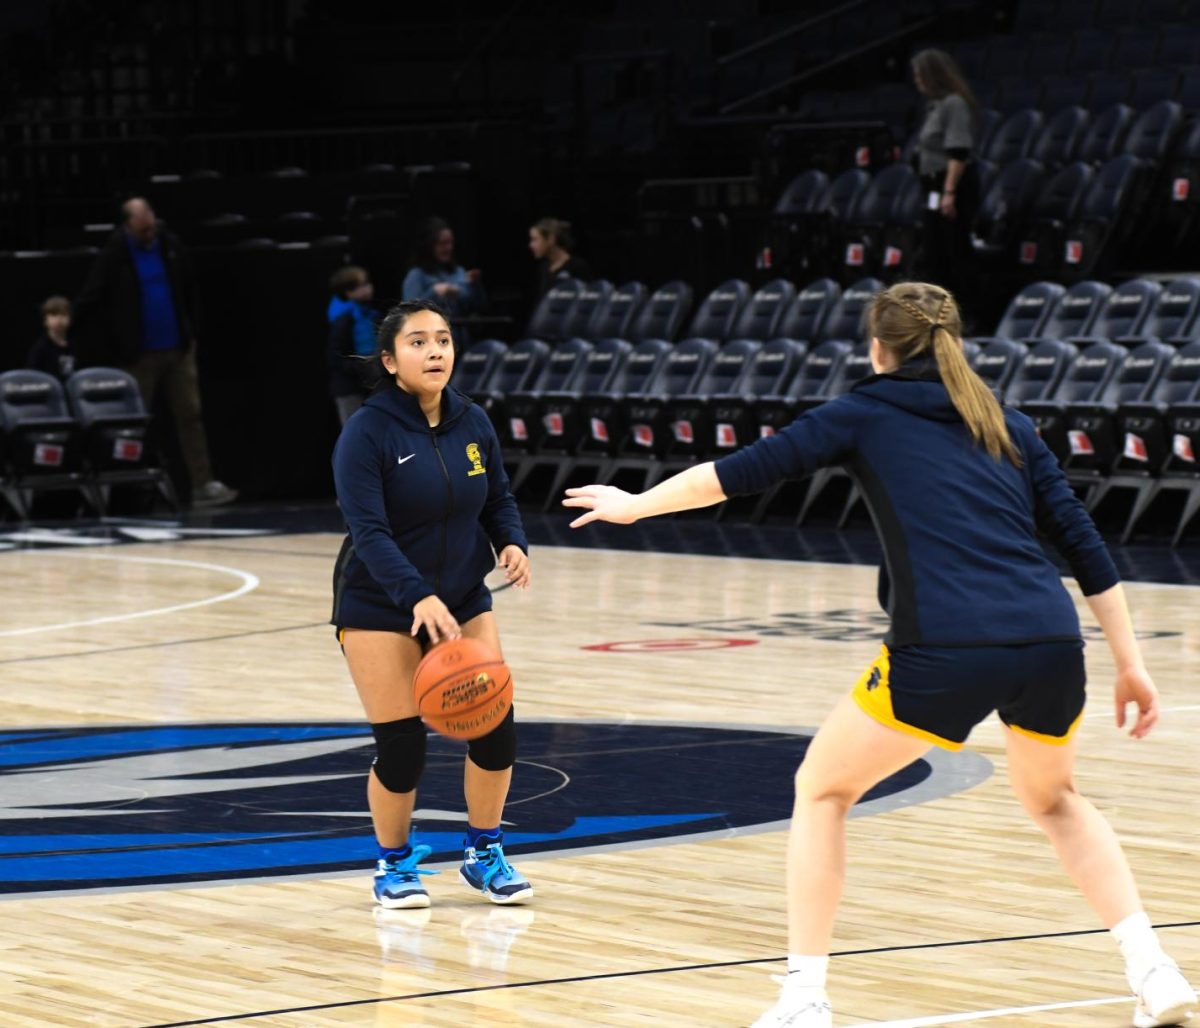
<point x="1064" y="520"/>
<point x="358" y="478"/>
<point x="817" y="439"/>
<point x="500" y="517"/>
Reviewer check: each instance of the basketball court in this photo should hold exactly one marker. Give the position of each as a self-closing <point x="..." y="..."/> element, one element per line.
<point x="186" y="838"/>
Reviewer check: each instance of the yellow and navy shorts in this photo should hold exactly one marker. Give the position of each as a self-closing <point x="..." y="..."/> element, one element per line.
<point x="939" y="693"/>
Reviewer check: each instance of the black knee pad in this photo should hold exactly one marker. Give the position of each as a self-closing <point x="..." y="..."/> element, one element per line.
<point x="399" y="753"/>
<point x="497" y="750"/>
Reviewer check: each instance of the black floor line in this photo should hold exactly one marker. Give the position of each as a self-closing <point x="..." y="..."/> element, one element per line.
<point x="227" y="1018"/>
<point x="168" y="642"/>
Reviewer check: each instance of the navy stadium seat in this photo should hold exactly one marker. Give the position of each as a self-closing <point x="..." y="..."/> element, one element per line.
<point x="888" y="200"/>
<point x="616" y="314"/>
<point x="718" y="312"/>
<point x="1015" y="137"/>
<point x="553" y="312"/>
<point x="1106" y="88"/>
<point x="690" y="416"/>
<point x="1153" y="133"/>
<point x="1101" y="223"/>
<point x="1085" y="380"/>
<point x="760" y="318"/>
<point x="1060" y="137"/>
<point x="562" y="426"/>
<point x="648" y="429"/>
<point x="1038" y="373"/>
<point x="1039" y="247"/>
<point x="602" y="412"/>
<point x="1104" y="136"/>
<point x="113" y="421"/>
<point x="591" y="299"/>
<point x="847" y="319"/>
<point x="1028" y="311"/>
<point x="1091" y="51"/>
<point x="520" y="365"/>
<point x="474" y="369"/>
<point x="563" y="367"/>
<point x="1143" y="442"/>
<point x="663" y="313"/>
<point x="1123" y="313"/>
<point x="804" y="318"/>
<point x="1151" y="86"/>
<point x="1174" y="316"/>
<point x="813" y="383"/>
<point x="1005" y="206"/>
<point x="769" y="373"/>
<point x="1061" y="91"/>
<point x="1076" y="311"/>
<point x="998" y="362"/>
<point x="793" y="232"/>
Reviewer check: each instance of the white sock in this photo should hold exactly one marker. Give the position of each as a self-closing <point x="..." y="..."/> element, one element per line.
<point x="1139" y="944"/>
<point x="807" y="972"/>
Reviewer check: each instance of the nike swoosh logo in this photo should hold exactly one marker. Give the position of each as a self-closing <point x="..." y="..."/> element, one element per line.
<point x="401" y="460"/>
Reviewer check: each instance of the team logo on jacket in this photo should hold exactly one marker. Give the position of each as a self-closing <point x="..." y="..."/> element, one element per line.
<point x="476" y="459"/>
<point x="124" y="806"/>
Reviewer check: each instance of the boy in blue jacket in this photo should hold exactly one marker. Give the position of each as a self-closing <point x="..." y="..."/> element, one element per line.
<point x="422" y="485"/>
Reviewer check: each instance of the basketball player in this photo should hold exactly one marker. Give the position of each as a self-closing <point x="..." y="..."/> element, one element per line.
<point x="980" y="621"/>
<point x="422" y="486"/>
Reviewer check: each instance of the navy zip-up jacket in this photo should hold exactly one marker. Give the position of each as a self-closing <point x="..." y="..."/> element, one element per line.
<point x="424" y="507"/>
<point x="962" y="562"/>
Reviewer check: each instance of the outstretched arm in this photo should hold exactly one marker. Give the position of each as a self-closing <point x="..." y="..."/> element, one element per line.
<point x="695" y="487"/>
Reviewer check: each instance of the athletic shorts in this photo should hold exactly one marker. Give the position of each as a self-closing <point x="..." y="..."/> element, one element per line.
<point x="477" y="601"/>
<point x="939" y="693"/>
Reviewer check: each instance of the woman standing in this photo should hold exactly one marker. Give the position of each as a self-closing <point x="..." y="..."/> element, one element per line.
<point x="980" y="621"/>
<point x="949" y="177"/>
<point x="552" y="246"/>
<point x="421" y="483"/>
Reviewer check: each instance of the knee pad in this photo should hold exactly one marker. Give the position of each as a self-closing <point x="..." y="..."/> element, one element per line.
<point x="399" y="753"/>
<point x="496" y="751"/>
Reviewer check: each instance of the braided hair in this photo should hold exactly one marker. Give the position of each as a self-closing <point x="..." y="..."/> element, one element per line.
<point x="912" y="318"/>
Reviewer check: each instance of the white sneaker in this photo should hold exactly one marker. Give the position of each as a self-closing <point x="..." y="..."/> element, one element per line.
<point x="213" y="494"/>
<point x="797" y="1008"/>
<point x="1163" y="997"/>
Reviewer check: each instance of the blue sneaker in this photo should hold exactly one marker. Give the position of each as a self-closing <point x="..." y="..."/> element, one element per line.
<point x="488" y="872"/>
<point x="398" y="883"/>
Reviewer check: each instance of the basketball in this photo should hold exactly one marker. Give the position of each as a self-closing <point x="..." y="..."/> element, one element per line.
<point x="463" y="689"/>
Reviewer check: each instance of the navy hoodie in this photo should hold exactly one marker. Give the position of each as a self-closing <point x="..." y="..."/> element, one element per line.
<point x="962" y="562"/>
<point x="424" y="506"/>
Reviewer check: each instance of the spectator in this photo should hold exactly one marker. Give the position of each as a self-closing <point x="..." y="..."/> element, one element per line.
<point x="435" y="275"/>
<point x="949" y="177"/>
<point x="551" y="243"/>
<point x="53" y="352"/>
<point x="137" y="311"/>
<point x="351" y="335"/>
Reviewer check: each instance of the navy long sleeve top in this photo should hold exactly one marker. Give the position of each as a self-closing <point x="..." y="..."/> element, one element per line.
<point x="963" y="564"/>
<point x="424" y="506"/>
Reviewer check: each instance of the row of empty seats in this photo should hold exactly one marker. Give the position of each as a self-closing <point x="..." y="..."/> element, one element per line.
<point x="1110" y="376"/>
<point x="86" y="437"/>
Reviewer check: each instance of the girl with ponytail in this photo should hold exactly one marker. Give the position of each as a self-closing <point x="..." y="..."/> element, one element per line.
<point x="959" y="488"/>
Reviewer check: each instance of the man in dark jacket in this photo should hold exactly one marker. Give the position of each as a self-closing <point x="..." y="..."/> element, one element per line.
<point x="137" y="311"/>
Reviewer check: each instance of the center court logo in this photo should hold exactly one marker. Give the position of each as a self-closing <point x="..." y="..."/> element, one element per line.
<point x="87" y="808"/>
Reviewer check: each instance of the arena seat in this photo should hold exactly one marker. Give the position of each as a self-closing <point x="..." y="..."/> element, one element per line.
<point x="761" y="316"/>
<point x="615" y="315"/>
<point x="113" y="424"/>
<point x="663" y="313"/>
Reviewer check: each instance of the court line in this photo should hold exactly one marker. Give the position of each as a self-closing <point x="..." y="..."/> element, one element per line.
<point x="981" y="1015"/>
<point x="611" y="975"/>
<point x="249" y="583"/>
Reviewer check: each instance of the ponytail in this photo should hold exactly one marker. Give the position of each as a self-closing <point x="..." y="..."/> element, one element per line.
<point x="974" y="401"/>
<point x="912" y="318"/>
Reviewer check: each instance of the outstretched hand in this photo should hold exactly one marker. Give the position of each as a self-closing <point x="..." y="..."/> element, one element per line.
<point x="1134" y="685"/>
<point x="602" y="503"/>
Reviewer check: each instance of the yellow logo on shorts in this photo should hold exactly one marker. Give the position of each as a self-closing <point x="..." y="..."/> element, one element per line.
<point x="476" y="460"/>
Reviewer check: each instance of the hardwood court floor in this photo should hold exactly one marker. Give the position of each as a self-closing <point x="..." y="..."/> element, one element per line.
<point x="953" y="905"/>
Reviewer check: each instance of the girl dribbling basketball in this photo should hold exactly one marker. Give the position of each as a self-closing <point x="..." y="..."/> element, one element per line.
<point x="980" y="621"/>
<point x="421" y="483"/>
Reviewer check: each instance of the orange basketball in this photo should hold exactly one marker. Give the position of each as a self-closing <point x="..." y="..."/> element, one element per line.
<point x="463" y="689"/>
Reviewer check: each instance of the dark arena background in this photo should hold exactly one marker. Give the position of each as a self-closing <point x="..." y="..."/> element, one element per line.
<point x="656" y="228"/>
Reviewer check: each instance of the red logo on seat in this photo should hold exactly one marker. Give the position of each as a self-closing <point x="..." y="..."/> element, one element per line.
<point x="855" y="253"/>
<point x="1074" y="252"/>
<point x="517" y="427"/>
<point x="862" y="156"/>
<point x="127" y="449"/>
<point x="726" y="436"/>
<point x="892" y="257"/>
<point x="1181" y="445"/>
<point x="643" y="435"/>
<point x="599" y="430"/>
<point x="1028" y="253"/>
<point x="1081" y="443"/>
<point x="554" y="423"/>
<point x="1135" y="447"/>
<point x="683" y="432"/>
<point x="48" y="455"/>
<point x="1180" y="189"/>
<point x="765" y="431"/>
